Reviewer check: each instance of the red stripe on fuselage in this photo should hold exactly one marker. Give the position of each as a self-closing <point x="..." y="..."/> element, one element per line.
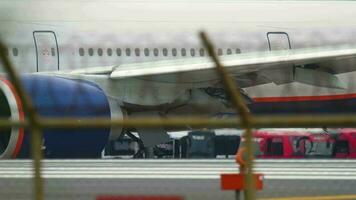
<point x="304" y="98"/>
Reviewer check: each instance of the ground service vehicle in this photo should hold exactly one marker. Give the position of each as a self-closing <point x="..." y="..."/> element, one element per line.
<point x="345" y="144"/>
<point x="198" y="144"/>
<point x="292" y="144"/>
<point x="276" y="143"/>
<point x="122" y="147"/>
<point x="226" y="145"/>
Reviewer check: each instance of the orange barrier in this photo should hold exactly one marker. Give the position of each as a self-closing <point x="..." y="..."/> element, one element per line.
<point x="237" y="182"/>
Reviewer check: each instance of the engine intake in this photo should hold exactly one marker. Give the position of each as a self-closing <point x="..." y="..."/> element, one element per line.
<point x="54" y="97"/>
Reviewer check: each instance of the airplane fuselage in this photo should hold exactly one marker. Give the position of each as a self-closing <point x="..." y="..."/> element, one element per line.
<point x="66" y="35"/>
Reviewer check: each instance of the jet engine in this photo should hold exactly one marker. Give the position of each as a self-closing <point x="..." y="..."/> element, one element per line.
<point x="54" y="97"/>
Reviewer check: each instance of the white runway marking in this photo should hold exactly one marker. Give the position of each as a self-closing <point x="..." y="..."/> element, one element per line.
<point x="179" y="169"/>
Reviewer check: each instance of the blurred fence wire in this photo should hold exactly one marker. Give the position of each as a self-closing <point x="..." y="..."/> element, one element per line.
<point x="246" y="120"/>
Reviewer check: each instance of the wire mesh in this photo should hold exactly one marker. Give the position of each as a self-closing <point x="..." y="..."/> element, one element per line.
<point x="38" y="123"/>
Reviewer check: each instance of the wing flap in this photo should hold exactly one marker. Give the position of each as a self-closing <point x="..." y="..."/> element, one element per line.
<point x="318" y="78"/>
<point x="236" y="64"/>
<point x="279" y="67"/>
<point x="95" y="70"/>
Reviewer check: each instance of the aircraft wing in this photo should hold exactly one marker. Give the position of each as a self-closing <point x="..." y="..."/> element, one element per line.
<point x="315" y="66"/>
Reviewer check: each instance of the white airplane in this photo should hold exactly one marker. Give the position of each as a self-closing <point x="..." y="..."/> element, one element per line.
<point x="136" y="58"/>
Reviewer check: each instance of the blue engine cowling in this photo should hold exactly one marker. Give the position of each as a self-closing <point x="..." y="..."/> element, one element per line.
<point x="55" y="97"/>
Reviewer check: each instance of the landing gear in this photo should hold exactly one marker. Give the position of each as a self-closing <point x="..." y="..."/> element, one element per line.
<point x="149" y="152"/>
<point x="141" y="148"/>
<point x="150" y="137"/>
<point x="143" y="152"/>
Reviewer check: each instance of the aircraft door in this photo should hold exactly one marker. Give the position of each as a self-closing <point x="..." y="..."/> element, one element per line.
<point x="278" y="41"/>
<point x="46" y="51"/>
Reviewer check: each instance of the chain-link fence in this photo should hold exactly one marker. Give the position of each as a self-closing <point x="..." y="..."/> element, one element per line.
<point x="36" y="123"/>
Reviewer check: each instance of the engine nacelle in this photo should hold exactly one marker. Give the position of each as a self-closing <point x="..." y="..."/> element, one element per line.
<point x="55" y="97"/>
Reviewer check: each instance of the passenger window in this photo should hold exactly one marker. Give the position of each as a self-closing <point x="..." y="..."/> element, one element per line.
<point x="238" y="51"/>
<point x="53" y="52"/>
<point x="220" y="52"/>
<point x="165" y="51"/>
<point x="128" y="52"/>
<point x="183" y="52"/>
<point x="192" y="52"/>
<point x="15" y="51"/>
<point x="174" y="52"/>
<point x="202" y="52"/>
<point x="81" y="51"/>
<point x="91" y="52"/>
<point x="228" y="52"/>
<point x="109" y="51"/>
<point x="147" y="52"/>
<point x="155" y="51"/>
<point x="100" y="51"/>
<point x="137" y="52"/>
<point x="118" y="52"/>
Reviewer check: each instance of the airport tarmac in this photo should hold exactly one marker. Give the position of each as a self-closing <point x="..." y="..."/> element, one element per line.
<point x="191" y="179"/>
